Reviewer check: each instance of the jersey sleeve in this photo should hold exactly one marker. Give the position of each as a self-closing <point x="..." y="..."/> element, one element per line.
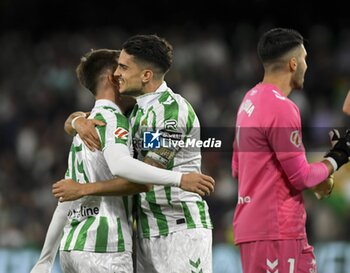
<point x="284" y="131"/>
<point x="116" y="129"/>
<point x="286" y="140"/>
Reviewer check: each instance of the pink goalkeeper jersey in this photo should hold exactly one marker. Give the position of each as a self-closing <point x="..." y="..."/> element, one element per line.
<point x="268" y="131"/>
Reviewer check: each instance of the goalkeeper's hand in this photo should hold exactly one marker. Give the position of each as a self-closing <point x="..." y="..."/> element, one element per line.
<point x="340" y="152"/>
<point x="324" y="189"/>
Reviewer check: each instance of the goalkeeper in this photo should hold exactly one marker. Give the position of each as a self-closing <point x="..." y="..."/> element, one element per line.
<point x="270" y="164"/>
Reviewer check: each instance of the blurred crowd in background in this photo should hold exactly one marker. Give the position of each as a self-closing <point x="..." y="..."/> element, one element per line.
<point x="212" y="69"/>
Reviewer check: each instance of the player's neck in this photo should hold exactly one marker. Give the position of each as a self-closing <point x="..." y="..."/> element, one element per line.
<point x="106" y="94"/>
<point x="282" y="82"/>
<point x="151" y="86"/>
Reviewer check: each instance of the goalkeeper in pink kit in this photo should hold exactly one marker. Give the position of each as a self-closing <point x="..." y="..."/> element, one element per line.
<point x="270" y="164"/>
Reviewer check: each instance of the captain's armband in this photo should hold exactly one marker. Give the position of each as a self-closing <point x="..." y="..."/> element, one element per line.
<point x="162" y="155"/>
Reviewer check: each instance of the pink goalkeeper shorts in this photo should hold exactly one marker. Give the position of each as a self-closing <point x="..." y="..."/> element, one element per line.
<point x="282" y="256"/>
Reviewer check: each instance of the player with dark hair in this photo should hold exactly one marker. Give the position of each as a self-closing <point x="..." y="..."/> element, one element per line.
<point x="270" y="164"/>
<point x="174" y="226"/>
<point x="170" y="220"/>
<point x="97" y="237"/>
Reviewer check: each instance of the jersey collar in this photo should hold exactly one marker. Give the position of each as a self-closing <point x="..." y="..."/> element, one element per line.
<point x="147" y="98"/>
<point x="104" y="102"/>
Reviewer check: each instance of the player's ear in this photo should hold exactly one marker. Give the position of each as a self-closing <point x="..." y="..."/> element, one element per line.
<point x="147" y="75"/>
<point x="293" y="64"/>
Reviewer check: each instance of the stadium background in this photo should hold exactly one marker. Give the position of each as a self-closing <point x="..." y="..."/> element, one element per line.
<point x="215" y="62"/>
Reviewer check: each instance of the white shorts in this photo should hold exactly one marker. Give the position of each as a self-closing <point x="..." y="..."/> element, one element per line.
<point x="188" y="250"/>
<point x="91" y="262"/>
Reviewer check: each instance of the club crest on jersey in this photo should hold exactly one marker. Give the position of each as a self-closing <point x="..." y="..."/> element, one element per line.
<point x="295" y="138"/>
<point x="121" y="133"/>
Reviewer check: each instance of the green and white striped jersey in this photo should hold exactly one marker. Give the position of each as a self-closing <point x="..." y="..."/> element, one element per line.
<point x="166" y="209"/>
<point x="98" y="223"/>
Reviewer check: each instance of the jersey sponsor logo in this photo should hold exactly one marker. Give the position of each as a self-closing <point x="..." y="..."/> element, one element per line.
<point x="82" y="212"/>
<point x="248" y="107"/>
<point x="121" y="133"/>
<point x="171" y="135"/>
<point x="295" y="138"/>
<point x="244" y="200"/>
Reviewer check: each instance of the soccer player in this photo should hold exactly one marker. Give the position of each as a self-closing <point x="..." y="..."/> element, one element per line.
<point x="97" y="236"/>
<point x="270" y="165"/>
<point x="174" y="226"/>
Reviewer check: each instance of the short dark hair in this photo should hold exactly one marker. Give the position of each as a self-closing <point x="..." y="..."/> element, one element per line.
<point x="152" y="49"/>
<point x="93" y="64"/>
<point x="277" y="42"/>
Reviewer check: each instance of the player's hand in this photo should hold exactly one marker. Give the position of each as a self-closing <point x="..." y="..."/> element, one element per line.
<point x="87" y="132"/>
<point x="67" y="190"/>
<point x="325" y="188"/>
<point x="340" y="150"/>
<point x="198" y="183"/>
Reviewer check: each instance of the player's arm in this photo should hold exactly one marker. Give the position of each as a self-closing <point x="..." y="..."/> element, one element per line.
<point x="336" y="157"/>
<point x="52" y="240"/>
<point x="68" y="189"/>
<point x="68" y="126"/>
<point x="123" y="165"/>
<point x="286" y="140"/>
<point x="78" y="122"/>
<point x="346" y="105"/>
<point x="304" y="175"/>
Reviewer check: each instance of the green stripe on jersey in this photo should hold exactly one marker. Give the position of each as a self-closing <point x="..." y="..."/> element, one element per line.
<point x="101" y="129"/>
<point x="74" y="226"/>
<point x="126" y="206"/>
<point x="136" y="126"/>
<point x="157" y="212"/>
<point x="171" y="107"/>
<point x="121" y="244"/>
<point x="143" y="218"/>
<point x="188" y="216"/>
<point x="73" y="153"/>
<point x="154" y="120"/>
<point x="201" y="207"/>
<point x="82" y="171"/>
<point x="167" y="190"/>
<point x="102" y="235"/>
<point x="81" y="239"/>
<point x="190" y="118"/>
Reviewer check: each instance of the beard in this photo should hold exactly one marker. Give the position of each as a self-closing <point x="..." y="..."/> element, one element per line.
<point x="134" y="92"/>
<point x="297" y="81"/>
